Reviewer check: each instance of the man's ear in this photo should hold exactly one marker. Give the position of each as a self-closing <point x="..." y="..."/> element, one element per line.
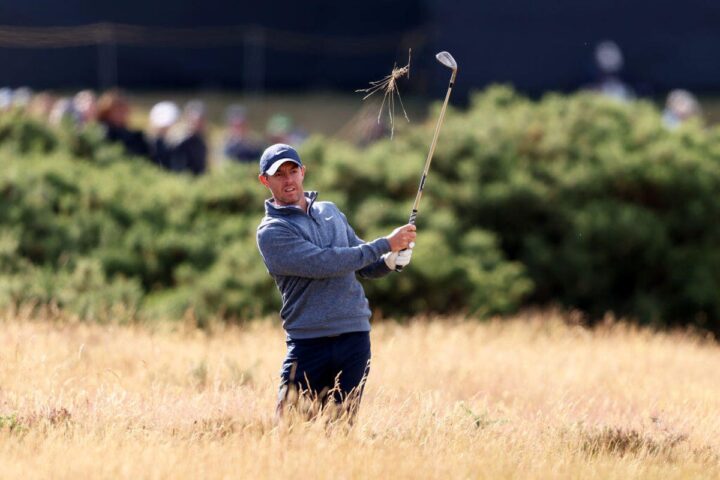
<point x="263" y="179"/>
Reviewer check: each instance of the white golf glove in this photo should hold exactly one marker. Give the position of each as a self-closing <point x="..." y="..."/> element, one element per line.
<point x="398" y="259"/>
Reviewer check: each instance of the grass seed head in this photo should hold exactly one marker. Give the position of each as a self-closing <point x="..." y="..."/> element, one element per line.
<point x="389" y="86"/>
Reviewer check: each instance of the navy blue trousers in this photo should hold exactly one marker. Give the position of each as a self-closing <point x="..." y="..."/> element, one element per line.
<point x="327" y="368"/>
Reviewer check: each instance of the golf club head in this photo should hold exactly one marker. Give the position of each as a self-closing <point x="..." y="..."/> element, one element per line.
<point x="446" y="59"/>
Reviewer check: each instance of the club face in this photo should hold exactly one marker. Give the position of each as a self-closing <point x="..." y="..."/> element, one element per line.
<point x="446" y="59"/>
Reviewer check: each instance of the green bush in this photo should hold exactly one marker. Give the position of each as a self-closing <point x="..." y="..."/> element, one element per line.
<point x="574" y="200"/>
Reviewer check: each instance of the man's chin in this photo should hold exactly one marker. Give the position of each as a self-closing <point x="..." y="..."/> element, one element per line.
<point x="294" y="200"/>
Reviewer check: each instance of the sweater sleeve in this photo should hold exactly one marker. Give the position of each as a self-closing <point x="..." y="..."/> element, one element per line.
<point x="285" y="252"/>
<point x="377" y="269"/>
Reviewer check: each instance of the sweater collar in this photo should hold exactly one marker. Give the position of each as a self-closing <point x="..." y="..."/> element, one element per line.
<point x="273" y="210"/>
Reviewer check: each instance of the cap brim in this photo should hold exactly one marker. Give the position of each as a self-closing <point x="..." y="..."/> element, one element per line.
<point x="163" y="122"/>
<point x="276" y="164"/>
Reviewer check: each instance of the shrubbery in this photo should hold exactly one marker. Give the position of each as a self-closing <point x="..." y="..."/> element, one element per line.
<point x="575" y="200"/>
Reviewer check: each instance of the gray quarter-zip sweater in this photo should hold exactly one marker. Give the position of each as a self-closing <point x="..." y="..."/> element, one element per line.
<point x="313" y="258"/>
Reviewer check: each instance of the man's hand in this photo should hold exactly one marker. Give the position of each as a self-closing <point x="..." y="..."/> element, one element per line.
<point x="401" y="237"/>
<point x="398" y="259"/>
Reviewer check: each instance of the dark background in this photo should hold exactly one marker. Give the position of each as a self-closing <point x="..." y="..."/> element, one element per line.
<point x="321" y="44"/>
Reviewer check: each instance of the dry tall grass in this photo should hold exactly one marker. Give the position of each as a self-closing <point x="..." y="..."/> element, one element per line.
<point x="529" y="398"/>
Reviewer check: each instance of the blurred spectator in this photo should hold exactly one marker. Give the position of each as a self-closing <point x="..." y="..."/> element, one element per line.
<point x="280" y="129"/>
<point x="162" y="117"/>
<point x="114" y="113"/>
<point x="84" y="105"/>
<point x="609" y="62"/>
<point x="62" y="113"/>
<point x="21" y="97"/>
<point x="239" y="144"/>
<point x="41" y="106"/>
<point x="5" y="99"/>
<point x="190" y="153"/>
<point x="680" y="107"/>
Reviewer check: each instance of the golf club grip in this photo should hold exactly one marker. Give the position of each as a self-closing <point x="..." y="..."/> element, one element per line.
<point x="413" y="217"/>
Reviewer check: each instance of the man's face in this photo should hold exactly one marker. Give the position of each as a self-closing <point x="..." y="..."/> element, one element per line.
<point x="287" y="184"/>
<point x="120" y="114"/>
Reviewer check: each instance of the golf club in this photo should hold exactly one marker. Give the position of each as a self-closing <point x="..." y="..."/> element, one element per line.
<point x="446" y="59"/>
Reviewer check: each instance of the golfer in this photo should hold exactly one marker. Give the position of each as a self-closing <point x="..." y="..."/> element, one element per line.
<point x="313" y="255"/>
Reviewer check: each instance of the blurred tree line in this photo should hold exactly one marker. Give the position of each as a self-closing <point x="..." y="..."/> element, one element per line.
<point x="578" y="201"/>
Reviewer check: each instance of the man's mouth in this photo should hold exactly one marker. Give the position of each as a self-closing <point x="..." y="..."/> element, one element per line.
<point x="289" y="189"/>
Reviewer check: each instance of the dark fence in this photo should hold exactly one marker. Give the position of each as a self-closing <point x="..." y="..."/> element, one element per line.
<point x="536" y="46"/>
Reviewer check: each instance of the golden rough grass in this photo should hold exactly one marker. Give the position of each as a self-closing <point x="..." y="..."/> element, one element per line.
<point x="528" y="398"/>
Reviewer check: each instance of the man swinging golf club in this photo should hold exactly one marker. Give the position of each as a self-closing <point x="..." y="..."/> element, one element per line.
<point x="313" y="255"/>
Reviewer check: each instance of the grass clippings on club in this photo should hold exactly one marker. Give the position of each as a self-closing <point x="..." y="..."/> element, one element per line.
<point x="388" y="86"/>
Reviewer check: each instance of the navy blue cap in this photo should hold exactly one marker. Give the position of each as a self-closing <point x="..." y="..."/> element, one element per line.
<point x="276" y="155"/>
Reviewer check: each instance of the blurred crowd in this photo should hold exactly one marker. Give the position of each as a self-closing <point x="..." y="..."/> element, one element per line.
<point x="176" y="139"/>
<point x="680" y="105"/>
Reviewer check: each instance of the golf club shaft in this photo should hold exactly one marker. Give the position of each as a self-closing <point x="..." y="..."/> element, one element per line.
<point x="413" y="215"/>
